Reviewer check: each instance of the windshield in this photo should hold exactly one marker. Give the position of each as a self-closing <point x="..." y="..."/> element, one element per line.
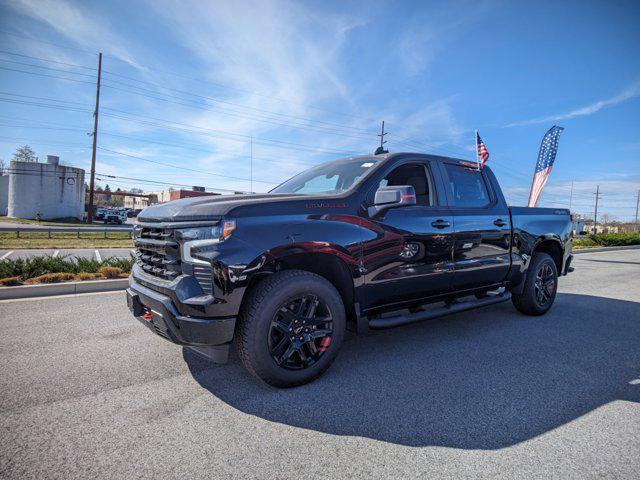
<point x="328" y="178"/>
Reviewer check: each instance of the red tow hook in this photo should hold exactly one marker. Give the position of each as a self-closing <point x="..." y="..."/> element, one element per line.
<point x="147" y="316"/>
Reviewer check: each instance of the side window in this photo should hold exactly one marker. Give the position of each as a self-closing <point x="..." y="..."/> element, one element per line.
<point x="416" y="175"/>
<point x="467" y="186"/>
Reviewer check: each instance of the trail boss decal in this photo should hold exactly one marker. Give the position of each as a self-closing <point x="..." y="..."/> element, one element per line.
<point x="326" y="205"/>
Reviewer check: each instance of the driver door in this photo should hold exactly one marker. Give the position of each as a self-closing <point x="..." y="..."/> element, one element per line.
<point x="408" y="255"/>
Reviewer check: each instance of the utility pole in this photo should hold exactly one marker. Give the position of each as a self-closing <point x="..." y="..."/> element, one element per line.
<point x="382" y="133"/>
<point x="251" y="154"/>
<point x="637" y="204"/>
<point x="571" y="197"/>
<point x="95" y="140"/>
<point x="595" y="215"/>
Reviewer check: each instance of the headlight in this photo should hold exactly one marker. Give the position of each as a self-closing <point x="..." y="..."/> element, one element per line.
<point x="218" y="232"/>
<point x="200" y="239"/>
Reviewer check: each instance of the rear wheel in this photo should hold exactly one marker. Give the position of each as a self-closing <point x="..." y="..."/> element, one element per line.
<point x="540" y="286"/>
<point x="290" y="328"/>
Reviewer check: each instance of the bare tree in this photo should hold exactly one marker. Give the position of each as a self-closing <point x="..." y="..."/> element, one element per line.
<point x="2" y="167"/>
<point x="607" y="219"/>
<point x="25" y="154"/>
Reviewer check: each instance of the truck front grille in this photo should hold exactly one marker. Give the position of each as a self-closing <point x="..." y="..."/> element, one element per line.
<point x="158" y="252"/>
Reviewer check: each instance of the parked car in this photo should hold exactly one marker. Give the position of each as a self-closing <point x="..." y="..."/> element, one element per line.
<point x="115" y="216"/>
<point x="100" y="213"/>
<point x="367" y="242"/>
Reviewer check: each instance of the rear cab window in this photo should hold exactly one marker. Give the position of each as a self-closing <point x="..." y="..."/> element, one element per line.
<point x="466" y="186"/>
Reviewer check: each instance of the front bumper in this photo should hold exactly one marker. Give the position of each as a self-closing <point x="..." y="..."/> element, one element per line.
<point x="158" y="313"/>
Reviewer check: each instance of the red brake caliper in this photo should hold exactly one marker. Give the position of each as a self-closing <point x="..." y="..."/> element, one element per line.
<point x="324" y="344"/>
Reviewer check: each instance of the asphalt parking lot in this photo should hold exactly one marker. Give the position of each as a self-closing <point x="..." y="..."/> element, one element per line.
<point x="86" y="391"/>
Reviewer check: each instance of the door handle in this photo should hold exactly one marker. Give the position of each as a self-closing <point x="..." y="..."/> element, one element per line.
<point x="499" y="223"/>
<point x="440" y="224"/>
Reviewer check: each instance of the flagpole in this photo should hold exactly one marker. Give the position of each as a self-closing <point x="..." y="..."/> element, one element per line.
<point x="477" y="158"/>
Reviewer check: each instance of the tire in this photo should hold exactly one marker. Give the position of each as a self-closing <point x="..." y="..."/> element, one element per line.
<point x="530" y="302"/>
<point x="272" y="308"/>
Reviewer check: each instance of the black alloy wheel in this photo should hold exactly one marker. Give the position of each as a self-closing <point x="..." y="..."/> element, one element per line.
<point x="300" y="332"/>
<point x="290" y="328"/>
<point x="538" y="292"/>
<point x="545" y="284"/>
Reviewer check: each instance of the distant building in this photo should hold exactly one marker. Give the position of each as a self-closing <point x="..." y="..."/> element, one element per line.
<point x="171" y="194"/>
<point x="578" y="226"/>
<point x="138" y="202"/>
<point x="45" y="190"/>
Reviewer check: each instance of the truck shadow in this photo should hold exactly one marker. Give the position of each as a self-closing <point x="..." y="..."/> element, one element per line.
<point x="484" y="379"/>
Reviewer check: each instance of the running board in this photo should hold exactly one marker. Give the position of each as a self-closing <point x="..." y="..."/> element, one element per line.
<point x="455" y="307"/>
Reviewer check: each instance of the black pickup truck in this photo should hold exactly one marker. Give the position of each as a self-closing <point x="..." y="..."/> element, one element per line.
<point x="366" y="242"/>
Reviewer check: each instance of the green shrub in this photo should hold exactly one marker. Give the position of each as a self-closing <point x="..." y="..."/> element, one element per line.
<point x="38" y="266"/>
<point x="616" y="239"/>
<point x="584" y="242"/>
<point x="124" y="264"/>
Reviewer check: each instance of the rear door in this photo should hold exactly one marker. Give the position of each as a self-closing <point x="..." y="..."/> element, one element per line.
<point x="408" y="253"/>
<point x="482" y="230"/>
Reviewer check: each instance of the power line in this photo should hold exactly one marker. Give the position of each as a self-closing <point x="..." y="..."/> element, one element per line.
<point x="48" y="60"/>
<point x="271" y="117"/>
<point x="255" y="117"/>
<point x="184" y="168"/>
<point x="231" y="112"/>
<point x="13" y="34"/>
<point x="25" y="64"/>
<point x="46" y="75"/>
<point x="238" y="105"/>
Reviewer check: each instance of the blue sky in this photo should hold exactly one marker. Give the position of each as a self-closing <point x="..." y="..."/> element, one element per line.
<point x="190" y="83"/>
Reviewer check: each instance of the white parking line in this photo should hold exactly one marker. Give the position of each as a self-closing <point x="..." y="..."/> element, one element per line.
<point x="55" y="253"/>
<point x="98" y="257"/>
<point x="6" y="255"/>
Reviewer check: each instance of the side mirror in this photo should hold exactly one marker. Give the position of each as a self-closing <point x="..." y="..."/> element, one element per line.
<point x="392" y="197"/>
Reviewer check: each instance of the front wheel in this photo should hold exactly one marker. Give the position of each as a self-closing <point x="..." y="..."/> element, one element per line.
<point x="540" y="286"/>
<point x="290" y="328"/>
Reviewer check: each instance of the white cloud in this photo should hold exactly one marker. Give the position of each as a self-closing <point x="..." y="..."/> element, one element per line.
<point x="632" y="91"/>
<point x="74" y="23"/>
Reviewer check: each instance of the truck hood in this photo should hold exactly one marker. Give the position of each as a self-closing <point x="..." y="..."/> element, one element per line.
<point x="209" y="207"/>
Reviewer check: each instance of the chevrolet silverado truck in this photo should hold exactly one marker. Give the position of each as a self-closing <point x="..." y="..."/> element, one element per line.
<point x="367" y="242"/>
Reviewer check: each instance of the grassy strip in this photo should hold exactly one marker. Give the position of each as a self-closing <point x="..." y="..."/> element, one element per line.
<point x="9" y="241"/>
<point x="61" y="222"/>
<point x="58" y="268"/>
<point x="608" y="240"/>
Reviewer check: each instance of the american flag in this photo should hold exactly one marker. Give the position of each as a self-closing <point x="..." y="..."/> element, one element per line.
<point x="546" y="157"/>
<point x="482" y="152"/>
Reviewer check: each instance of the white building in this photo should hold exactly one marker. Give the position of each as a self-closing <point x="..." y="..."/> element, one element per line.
<point x="45" y="190"/>
<point x="4" y="194"/>
<point x="138" y="202"/>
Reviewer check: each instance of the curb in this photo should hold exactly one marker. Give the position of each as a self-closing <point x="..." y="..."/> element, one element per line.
<point x="605" y="249"/>
<point x="66" y="288"/>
